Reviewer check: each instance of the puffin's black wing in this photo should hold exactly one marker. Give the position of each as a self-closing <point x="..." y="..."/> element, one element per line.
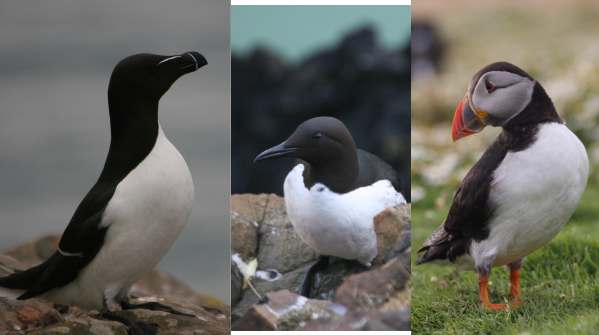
<point x="470" y="211"/>
<point x="79" y="244"/>
<point x="372" y="169"/>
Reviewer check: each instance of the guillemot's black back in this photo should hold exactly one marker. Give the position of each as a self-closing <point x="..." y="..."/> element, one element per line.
<point x="136" y="86"/>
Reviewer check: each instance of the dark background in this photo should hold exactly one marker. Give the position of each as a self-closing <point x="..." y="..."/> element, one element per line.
<point x="358" y="80"/>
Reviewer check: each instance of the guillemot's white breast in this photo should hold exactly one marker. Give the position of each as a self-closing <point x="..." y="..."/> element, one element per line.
<point x="145" y="215"/>
<point x="335" y="224"/>
<point x="534" y="192"/>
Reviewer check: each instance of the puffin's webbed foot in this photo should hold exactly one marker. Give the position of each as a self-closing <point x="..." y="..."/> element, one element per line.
<point x="483" y="284"/>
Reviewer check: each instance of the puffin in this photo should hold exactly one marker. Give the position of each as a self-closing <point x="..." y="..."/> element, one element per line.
<point x="522" y="190"/>
<point x="136" y="209"/>
<point x="334" y="191"/>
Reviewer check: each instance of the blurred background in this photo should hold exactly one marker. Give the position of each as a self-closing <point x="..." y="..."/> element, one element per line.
<point x="292" y="63"/>
<point x="55" y="65"/>
<point x="556" y="42"/>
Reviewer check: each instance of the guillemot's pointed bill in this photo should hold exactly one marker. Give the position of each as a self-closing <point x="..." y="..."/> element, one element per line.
<point x="504" y="209"/>
<point x="281" y="150"/>
<point x="137" y="207"/>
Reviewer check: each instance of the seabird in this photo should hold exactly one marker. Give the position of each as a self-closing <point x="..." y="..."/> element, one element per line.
<point x="133" y="214"/>
<point x="335" y="190"/>
<point x="523" y="189"/>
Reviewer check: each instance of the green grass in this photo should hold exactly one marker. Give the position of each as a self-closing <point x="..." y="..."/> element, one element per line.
<point x="560" y="282"/>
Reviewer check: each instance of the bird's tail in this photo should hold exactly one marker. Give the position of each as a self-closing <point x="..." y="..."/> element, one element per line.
<point x="432" y="253"/>
<point x="23" y="280"/>
<point x="445" y="251"/>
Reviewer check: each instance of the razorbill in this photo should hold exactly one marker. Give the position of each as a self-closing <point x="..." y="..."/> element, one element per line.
<point x="142" y="200"/>
<point x="523" y="189"/>
<point x="335" y="190"/>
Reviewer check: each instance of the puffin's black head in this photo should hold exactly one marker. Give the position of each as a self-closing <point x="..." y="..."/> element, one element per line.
<point x="149" y="76"/>
<point x="316" y="141"/>
<point x="501" y="94"/>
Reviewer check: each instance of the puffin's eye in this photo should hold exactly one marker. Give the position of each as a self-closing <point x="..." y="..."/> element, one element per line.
<point x="317" y="135"/>
<point x="489" y="86"/>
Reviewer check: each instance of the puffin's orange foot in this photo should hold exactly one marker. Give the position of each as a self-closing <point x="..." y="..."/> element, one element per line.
<point x="515" y="302"/>
<point x="515" y="284"/>
<point x="483" y="282"/>
<point x="495" y="307"/>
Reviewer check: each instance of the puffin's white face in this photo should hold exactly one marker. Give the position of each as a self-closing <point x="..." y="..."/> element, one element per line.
<point x="494" y="98"/>
<point x="499" y="96"/>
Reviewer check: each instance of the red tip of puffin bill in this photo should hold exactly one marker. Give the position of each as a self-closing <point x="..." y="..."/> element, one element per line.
<point x="458" y="129"/>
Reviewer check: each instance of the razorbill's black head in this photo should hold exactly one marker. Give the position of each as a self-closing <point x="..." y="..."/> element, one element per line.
<point x="149" y="76"/>
<point x="502" y="95"/>
<point x="328" y="151"/>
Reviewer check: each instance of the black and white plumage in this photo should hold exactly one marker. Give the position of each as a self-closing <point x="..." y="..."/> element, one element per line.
<point x="334" y="192"/>
<point x="525" y="186"/>
<point x="137" y="208"/>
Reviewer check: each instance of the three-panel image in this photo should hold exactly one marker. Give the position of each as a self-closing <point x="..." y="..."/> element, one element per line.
<point x="187" y="167"/>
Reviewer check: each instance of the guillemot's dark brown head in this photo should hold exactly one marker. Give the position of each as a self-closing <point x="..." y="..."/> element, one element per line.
<point x="501" y="95"/>
<point x="327" y="146"/>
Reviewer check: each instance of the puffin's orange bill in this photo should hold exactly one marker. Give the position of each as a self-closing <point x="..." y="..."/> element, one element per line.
<point x="465" y="121"/>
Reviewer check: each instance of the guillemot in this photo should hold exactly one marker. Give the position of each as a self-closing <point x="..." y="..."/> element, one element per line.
<point x="135" y="211"/>
<point x="335" y="190"/>
<point x="523" y="189"/>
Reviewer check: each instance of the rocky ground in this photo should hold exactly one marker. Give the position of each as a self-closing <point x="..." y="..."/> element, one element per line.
<point x="36" y="316"/>
<point x="344" y="296"/>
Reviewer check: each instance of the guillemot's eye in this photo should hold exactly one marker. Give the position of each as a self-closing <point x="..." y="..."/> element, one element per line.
<point x="317" y="135"/>
<point x="490" y="86"/>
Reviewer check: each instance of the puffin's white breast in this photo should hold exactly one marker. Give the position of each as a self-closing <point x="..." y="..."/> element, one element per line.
<point x="147" y="212"/>
<point x="335" y="224"/>
<point x="535" y="191"/>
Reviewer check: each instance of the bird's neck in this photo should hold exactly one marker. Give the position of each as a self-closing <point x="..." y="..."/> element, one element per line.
<point x="132" y="118"/>
<point x="134" y="129"/>
<point x="339" y="175"/>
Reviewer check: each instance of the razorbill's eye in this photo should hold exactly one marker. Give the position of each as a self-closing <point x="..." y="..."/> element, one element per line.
<point x="490" y="86"/>
<point x="317" y="135"/>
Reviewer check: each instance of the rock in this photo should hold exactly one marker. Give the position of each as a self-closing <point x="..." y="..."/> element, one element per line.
<point x="373" y="288"/>
<point x="279" y="246"/>
<point x="392" y="227"/>
<point x="236" y="284"/>
<point x="350" y="296"/>
<point x="288" y="281"/>
<point x="37" y="316"/>
<point x="283" y="311"/>
<point x="24" y="316"/>
<point x="244" y="236"/>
